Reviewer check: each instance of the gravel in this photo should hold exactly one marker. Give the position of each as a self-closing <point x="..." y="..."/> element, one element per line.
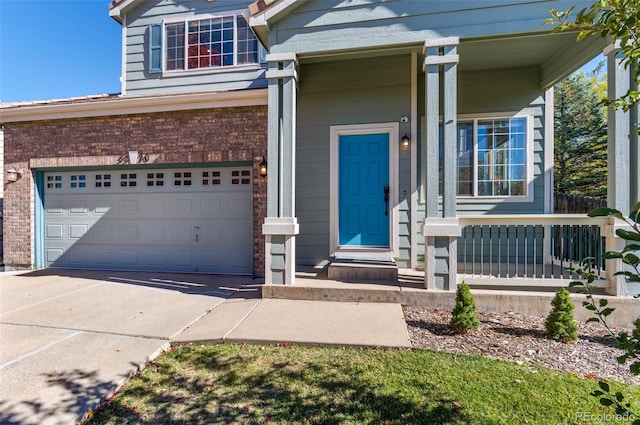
<point x="520" y="338"/>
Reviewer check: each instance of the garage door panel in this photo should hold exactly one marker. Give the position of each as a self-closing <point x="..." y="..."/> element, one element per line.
<point x="183" y="207"/>
<point x="52" y="254"/>
<point x="212" y="206"/>
<point x="238" y="261"/>
<point x="103" y="206"/>
<point x="240" y="234"/>
<point x="144" y="221"/>
<point x="155" y="257"/>
<point x="181" y="233"/>
<point x="156" y="232"/>
<point x="213" y="233"/>
<point x="77" y="231"/>
<point x="128" y="232"/>
<point x="129" y="207"/>
<point x="156" y="207"/>
<point x="54" y="231"/>
<point x="103" y="257"/>
<point x="239" y="206"/>
<point x="128" y="257"/>
<point x="53" y="207"/>
<point x="78" y="257"/>
<point x="103" y="232"/>
<point x="78" y="207"/>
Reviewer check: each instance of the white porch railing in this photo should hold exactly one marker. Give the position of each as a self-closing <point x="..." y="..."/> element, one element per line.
<point x="537" y="250"/>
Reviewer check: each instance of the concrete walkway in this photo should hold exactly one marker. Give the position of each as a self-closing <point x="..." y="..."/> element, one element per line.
<point x="68" y="339"/>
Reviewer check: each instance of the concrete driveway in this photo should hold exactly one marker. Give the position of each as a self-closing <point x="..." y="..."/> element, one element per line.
<point x="68" y="339"/>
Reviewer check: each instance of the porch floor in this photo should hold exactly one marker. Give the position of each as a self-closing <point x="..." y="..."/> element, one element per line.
<point x="314" y="284"/>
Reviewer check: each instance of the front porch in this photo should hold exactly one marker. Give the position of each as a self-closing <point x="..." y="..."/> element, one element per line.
<point x="429" y="148"/>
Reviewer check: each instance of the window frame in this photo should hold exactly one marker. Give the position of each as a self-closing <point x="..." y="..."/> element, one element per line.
<point x="529" y="158"/>
<point x="185" y="20"/>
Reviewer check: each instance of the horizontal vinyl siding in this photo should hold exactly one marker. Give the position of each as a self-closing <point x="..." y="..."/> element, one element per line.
<point x="372" y="90"/>
<point x="140" y="82"/>
<point x="341" y="24"/>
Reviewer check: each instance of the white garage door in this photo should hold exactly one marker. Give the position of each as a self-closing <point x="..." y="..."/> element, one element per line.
<point x="191" y="220"/>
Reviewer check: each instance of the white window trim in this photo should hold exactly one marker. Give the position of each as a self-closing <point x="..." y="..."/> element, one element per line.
<point x="392" y="129"/>
<point x="219" y="69"/>
<point x="475" y="199"/>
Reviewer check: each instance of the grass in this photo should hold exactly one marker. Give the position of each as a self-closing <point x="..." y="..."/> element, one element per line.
<point x="231" y="383"/>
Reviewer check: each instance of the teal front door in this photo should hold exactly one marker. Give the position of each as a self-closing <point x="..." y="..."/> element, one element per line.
<point x="363" y="184"/>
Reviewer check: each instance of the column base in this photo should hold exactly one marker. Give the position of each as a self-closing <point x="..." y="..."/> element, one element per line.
<point x="280" y="257"/>
<point x="441" y="253"/>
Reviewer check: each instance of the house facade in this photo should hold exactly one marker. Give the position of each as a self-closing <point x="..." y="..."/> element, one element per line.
<point x="385" y="127"/>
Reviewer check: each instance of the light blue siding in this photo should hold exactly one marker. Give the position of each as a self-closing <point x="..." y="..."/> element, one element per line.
<point x="323" y="25"/>
<point x="141" y="80"/>
<point x="373" y="90"/>
<point x="355" y="69"/>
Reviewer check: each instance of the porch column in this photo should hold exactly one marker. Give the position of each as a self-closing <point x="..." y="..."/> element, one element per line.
<point x="622" y="147"/>
<point x="623" y="159"/>
<point x="440" y="229"/>
<point x="280" y="226"/>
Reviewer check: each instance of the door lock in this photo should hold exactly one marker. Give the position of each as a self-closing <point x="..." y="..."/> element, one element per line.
<point x="386" y="200"/>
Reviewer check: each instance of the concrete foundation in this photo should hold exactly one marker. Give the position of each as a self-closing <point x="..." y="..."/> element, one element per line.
<point x="313" y="286"/>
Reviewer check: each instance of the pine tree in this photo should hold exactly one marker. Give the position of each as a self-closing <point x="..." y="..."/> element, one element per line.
<point x="464" y="316"/>
<point x="559" y="323"/>
<point x="580" y="148"/>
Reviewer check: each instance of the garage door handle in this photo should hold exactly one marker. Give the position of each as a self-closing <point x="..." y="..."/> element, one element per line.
<point x="196" y="233"/>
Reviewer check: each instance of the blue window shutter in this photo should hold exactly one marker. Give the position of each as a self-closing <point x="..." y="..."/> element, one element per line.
<point x="155" y="48"/>
<point x="262" y="53"/>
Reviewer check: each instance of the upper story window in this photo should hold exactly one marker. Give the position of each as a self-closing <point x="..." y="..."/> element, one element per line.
<point x="206" y="43"/>
<point x="493" y="157"/>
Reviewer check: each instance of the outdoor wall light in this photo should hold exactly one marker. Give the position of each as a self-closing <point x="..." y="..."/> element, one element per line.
<point x="13" y="175"/>
<point x="263" y="168"/>
<point x="405" y="142"/>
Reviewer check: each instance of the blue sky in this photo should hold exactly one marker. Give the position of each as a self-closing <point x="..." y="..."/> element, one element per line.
<point x="51" y="49"/>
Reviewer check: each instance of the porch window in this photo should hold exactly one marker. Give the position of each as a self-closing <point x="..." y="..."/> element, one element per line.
<point x="213" y="42"/>
<point x="491" y="157"/>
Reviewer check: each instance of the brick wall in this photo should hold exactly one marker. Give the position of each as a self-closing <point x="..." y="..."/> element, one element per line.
<point x="208" y="135"/>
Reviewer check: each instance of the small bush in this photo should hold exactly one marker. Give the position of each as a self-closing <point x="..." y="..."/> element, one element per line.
<point x="636" y="330"/>
<point x="559" y="323"/>
<point x="464" y="316"/>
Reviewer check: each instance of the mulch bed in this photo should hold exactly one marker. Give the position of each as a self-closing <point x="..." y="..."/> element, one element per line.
<point x="520" y="338"/>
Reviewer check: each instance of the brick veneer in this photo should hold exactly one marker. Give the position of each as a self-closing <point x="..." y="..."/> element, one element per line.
<point x="207" y="135"/>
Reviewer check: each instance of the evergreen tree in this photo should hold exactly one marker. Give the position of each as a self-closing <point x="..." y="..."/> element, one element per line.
<point x="580" y="147"/>
<point x="464" y="316"/>
<point x="559" y="323"/>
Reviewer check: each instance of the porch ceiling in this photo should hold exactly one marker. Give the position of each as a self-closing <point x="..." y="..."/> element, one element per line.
<point x="557" y="55"/>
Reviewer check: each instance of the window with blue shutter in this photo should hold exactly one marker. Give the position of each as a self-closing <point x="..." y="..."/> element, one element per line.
<point x="155" y="48"/>
<point x="262" y="54"/>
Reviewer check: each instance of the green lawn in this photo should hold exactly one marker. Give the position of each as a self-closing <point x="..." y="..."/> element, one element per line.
<point x="232" y="383"/>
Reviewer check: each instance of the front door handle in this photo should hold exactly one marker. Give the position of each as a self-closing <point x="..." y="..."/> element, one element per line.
<point x="386" y="200"/>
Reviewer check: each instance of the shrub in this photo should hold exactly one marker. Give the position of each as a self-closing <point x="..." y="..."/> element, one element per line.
<point x="464" y="316"/>
<point x="559" y="323"/>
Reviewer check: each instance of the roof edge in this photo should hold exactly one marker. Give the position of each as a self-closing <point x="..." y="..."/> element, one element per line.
<point x="121" y="105"/>
<point x="117" y="8"/>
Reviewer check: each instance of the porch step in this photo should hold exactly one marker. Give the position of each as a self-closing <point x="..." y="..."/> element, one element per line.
<point x="363" y="267"/>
